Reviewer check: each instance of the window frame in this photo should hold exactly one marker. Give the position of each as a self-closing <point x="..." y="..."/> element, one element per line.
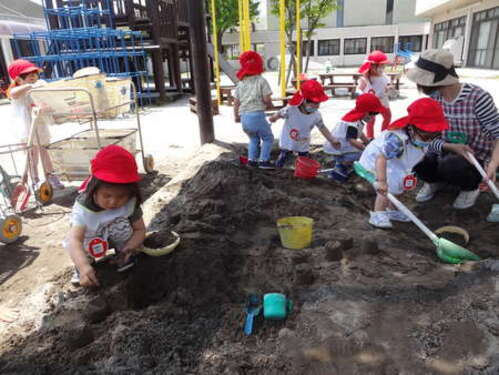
<point x="345" y="52"/>
<point x="419" y="36"/>
<point x="391" y="44"/>
<point x="328" y="47"/>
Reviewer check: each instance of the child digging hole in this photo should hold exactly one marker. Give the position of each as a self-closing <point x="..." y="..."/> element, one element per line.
<point x="106" y="214"/>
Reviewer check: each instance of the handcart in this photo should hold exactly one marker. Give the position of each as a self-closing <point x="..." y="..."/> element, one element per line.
<point x="86" y="100"/>
<point x="16" y="190"/>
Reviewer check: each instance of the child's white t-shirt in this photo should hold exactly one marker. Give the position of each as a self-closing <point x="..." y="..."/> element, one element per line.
<point x="344" y="131"/>
<point x="106" y="224"/>
<point x="21" y="121"/>
<point x="295" y="133"/>
<point x="401" y="155"/>
<point x="377" y="85"/>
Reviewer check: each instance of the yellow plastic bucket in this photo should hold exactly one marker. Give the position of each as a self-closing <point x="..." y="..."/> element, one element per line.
<point x="295" y="231"/>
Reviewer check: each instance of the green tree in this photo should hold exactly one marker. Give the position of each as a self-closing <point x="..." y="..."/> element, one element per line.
<point x="228" y="16"/>
<point x="312" y="12"/>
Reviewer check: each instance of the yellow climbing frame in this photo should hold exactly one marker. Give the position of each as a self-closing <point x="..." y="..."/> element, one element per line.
<point x="298" y="44"/>
<point x="215" y="49"/>
<point x="282" y="39"/>
<point x="244" y="25"/>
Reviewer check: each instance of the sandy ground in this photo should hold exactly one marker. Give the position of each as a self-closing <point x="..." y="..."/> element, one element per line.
<point x="34" y="272"/>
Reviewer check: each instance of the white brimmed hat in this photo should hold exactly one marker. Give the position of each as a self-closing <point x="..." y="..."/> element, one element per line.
<point x="435" y="67"/>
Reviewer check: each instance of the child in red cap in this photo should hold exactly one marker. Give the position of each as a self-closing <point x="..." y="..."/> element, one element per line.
<point x="376" y="82"/>
<point x="349" y="133"/>
<point x="25" y="75"/>
<point x="106" y="214"/>
<point x="301" y="116"/>
<point x="252" y="98"/>
<point x="392" y="156"/>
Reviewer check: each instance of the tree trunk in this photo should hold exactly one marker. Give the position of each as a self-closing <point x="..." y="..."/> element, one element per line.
<point x="309" y="40"/>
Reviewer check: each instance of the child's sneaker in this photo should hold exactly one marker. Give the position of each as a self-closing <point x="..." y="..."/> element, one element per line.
<point x="75" y="277"/>
<point x="380" y="219"/>
<point x="266" y="165"/>
<point x="55" y="182"/>
<point x="126" y="266"/>
<point x="398" y="216"/>
<point x="253" y="164"/>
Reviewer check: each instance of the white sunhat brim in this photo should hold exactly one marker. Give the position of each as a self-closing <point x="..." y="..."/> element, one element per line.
<point x="425" y="78"/>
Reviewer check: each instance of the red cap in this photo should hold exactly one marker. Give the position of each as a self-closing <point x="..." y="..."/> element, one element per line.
<point x="425" y="114"/>
<point x="310" y="90"/>
<point x="364" y="104"/>
<point x="19" y="67"/>
<point x="251" y="64"/>
<point x="116" y="165"/>
<point x="375" y="57"/>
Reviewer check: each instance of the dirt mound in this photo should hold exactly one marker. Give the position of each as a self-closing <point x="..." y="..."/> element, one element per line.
<point x="366" y="301"/>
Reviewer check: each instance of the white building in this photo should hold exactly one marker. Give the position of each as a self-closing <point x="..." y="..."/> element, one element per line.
<point x="16" y="16"/>
<point x="472" y="24"/>
<point x="355" y="29"/>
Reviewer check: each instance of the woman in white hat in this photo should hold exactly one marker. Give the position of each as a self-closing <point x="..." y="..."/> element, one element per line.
<point x="473" y="127"/>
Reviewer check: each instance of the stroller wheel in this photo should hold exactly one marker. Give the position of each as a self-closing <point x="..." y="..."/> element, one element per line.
<point x="149" y="164"/>
<point x="11" y="228"/>
<point x="45" y="193"/>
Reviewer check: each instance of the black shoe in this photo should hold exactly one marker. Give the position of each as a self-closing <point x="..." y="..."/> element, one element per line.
<point x="266" y="165"/>
<point x="253" y="164"/>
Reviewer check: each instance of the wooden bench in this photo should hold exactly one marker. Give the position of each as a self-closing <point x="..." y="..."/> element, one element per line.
<point x="194" y="106"/>
<point x="226" y="95"/>
<point x="351" y="87"/>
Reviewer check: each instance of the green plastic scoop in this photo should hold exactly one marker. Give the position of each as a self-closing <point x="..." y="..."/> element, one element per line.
<point x="447" y="251"/>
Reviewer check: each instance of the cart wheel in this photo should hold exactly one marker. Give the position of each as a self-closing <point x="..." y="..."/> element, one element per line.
<point x="148" y="163"/>
<point x="45" y="193"/>
<point x="11" y="228"/>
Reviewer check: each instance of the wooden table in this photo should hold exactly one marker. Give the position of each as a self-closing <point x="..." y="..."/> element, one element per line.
<point x="394" y="79"/>
<point x="226" y="94"/>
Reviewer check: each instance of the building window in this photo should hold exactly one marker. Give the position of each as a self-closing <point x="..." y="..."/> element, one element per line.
<point x="329" y="47"/>
<point x="389" y="12"/>
<point x="232" y="51"/>
<point x="444" y="31"/>
<point x="412" y="43"/>
<point x="357" y="46"/>
<point x="384" y="44"/>
<point x="260" y="48"/>
<point x="484" y="42"/>
<point x="304" y="45"/>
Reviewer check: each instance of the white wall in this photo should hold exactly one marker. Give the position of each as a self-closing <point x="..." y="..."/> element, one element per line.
<point x="364" y="12"/>
<point x="271" y="39"/>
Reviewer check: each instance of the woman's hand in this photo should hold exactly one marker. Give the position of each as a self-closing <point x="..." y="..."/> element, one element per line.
<point x="88" y="277"/>
<point x="459" y="149"/>
<point x="492" y="171"/>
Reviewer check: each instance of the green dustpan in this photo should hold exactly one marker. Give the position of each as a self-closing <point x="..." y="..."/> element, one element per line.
<point x="447" y="251"/>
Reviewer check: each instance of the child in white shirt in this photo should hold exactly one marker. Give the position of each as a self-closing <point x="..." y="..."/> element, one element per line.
<point x="376" y="82"/>
<point x="301" y="115"/>
<point x="349" y="133"/>
<point x="392" y="156"/>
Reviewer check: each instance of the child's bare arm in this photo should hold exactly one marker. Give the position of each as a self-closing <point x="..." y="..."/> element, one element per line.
<point x="79" y="257"/>
<point x="267" y="100"/>
<point x="362" y="84"/>
<point x="357" y="144"/>
<point x="325" y="132"/>
<point x="237" y="104"/>
<point x="19" y="91"/>
<point x="364" y="139"/>
<point x="381" y="181"/>
<point x="138" y="236"/>
<point x="276" y="116"/>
